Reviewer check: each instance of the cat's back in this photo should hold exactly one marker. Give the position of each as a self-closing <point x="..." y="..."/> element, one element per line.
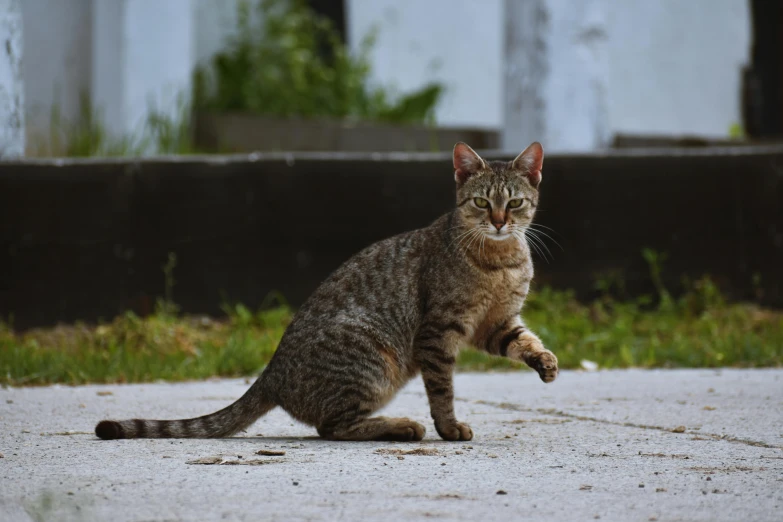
<point x="376" y="290"/>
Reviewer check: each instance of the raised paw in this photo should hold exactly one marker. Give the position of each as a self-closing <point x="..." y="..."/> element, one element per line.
<point x="454" y="431"/>
<point x="545" y="363"/>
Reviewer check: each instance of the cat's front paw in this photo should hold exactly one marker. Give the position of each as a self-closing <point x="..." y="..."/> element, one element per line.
<point x="545" y="363"/>
<point x="454" y="431"/>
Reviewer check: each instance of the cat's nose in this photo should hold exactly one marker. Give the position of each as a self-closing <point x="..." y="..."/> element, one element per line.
<point x="498" y="226"/>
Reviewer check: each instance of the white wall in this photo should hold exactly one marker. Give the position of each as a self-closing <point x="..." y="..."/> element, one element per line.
<point x="216" y="20"/>
<point x="456" y="42"/>
<point x="57" y="60"/>
<point x="668" y="67"/>
<point x="575" y="87"/>
<point x="143" y="56"/>
<point x="689" y="78"/>
<point x="633" y="66"/>
<point x="12" y="139"/>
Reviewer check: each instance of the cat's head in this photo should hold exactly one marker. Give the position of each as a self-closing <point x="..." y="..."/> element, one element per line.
<point x="498" y="198"/>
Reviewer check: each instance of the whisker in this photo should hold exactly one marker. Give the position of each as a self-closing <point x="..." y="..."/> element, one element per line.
<point x="461" y="235"/>
<point x="531" y="240"/>
<point x="542" y="226"/>
<point x="548" y="236"/>
<point x="465" y="236"/>
<point x="475" y="236"/>
<point x="523" y="237"/>
<point x="538" y="240"/>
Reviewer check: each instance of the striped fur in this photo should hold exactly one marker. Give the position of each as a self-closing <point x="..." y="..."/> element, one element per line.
<point x="401" y="307"/>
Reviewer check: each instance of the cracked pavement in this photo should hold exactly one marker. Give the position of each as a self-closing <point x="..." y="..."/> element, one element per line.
<point x="609" y="445"/>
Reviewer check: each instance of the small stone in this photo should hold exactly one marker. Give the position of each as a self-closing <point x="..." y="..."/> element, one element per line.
<point x="585" y="487"/>
<point x="206" y="460"/>
<point x="442" y="463"/>
<point x="709" y="478"/>
<point x="501" y="492"/>
<point x="679" y="429"/>
<point x="9" y="401"/>
<point x="641" y="485"/>
<point x="660" y="490"/>
<point x="296" y="483"/>
<point x="400" y="457"/>
<point x="270" y="453"/>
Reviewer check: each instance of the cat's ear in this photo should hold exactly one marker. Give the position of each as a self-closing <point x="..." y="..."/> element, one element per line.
<point x="530" y="161"/>
<point x="466" y="162"/>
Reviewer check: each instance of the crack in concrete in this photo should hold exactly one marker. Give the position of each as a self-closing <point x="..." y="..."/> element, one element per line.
<point x="563" y="414"/>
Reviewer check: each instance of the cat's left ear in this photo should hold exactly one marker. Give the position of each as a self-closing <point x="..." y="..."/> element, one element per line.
<point x="466" y="162"/>
<point x="530" y="161"/>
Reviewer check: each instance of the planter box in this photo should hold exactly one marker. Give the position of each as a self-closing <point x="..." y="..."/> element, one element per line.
<point x="238" y="132"/>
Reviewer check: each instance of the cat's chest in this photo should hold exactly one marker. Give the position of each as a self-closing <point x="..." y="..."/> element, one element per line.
<point x="503" y="294"/>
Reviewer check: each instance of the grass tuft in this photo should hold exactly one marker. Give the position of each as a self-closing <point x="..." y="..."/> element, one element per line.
<point x="697" y="330"/>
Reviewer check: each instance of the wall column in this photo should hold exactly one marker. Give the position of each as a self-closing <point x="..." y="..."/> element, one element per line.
<point x="556" y="75"/>
<point x="12" y="139"/>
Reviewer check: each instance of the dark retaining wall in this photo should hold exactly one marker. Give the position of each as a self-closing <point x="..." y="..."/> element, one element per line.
<point x="84" y="240"/>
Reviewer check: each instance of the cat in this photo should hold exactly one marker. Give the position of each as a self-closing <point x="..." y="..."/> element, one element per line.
<point x="400" y="307"/>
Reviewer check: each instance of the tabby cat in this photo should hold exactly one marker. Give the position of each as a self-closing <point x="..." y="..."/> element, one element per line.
<point x="401" y="306"/>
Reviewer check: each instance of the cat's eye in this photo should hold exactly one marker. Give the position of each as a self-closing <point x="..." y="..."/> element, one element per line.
<point x="515" y="203"/>
<point x="481" y="202"/>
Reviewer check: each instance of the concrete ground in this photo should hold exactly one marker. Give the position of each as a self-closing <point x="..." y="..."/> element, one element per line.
<point x="610" y="445"/>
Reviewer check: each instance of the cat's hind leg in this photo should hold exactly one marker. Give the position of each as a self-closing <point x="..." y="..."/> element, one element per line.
<point x="373" y="428"/>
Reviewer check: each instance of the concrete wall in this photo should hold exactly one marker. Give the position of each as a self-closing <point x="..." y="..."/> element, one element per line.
<point x="110" y="225"/>
<point x="11" y="84"/>
<point x="143" y="55"/>
<point x="57" y="62"/>
<point x="608" y="66"/>
<point x="456" y="42"/>
<point x="142" y="52"/>
<point x="623" y="66"/>
<point x="688" y="81"/>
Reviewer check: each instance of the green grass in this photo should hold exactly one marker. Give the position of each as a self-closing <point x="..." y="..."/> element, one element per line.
<point x="697" y="330"/>
<point x="286" y="60"/>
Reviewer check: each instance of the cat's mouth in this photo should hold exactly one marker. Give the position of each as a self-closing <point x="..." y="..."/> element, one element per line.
<point x="499" y="235"/>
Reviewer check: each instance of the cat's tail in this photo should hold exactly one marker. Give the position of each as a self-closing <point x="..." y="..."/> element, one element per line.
<point x="223" y="423"/>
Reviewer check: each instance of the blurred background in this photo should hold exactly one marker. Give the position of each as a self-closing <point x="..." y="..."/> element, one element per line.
<point x="177" y="176"/>
<point x="144" y="76"/>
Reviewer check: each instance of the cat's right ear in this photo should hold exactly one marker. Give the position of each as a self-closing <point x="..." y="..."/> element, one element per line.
<point x="466" y="162"/>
